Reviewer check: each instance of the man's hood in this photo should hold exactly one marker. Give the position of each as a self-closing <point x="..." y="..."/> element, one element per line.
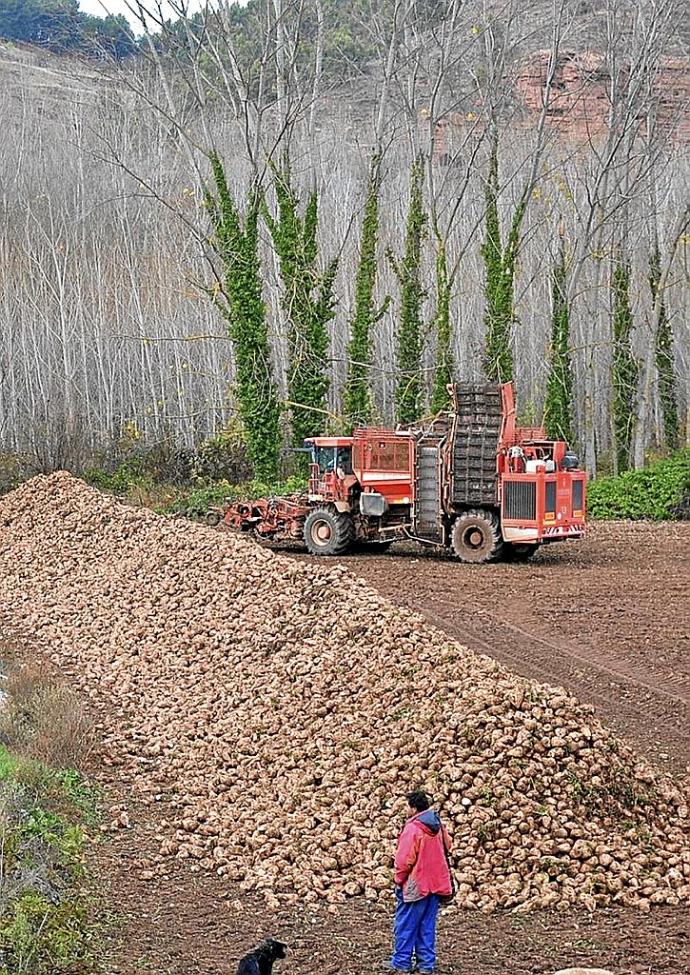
<point x="430" y="821"/>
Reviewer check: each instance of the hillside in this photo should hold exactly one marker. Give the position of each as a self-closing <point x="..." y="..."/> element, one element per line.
<point x="61" y="26"/>
<point x="29" y="73"/>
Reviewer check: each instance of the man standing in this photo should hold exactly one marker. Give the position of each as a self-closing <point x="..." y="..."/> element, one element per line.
<point x="422" y="878"/>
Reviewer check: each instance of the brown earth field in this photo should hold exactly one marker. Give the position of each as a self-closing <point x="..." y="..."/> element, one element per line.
<point x="608" y="618"/>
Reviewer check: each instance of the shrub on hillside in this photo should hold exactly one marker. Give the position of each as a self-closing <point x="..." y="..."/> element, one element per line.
<point x="658" y="492"/>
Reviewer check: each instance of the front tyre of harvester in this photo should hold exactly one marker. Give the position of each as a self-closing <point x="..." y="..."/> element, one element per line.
<point x="476" y="537"/>
<point x="520" y="553"/>
<point x="328" y="532"/>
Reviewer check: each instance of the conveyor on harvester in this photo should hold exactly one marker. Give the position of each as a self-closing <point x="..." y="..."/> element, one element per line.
<point x="476" y="431"/>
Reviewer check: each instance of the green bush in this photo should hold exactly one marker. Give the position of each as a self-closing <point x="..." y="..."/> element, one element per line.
<point x="197" y="501"/>
<point x="657" y="492"/>
<point x="39" y="937"/>
<point x="130" y="473"/>
<point x="45" y="915"/>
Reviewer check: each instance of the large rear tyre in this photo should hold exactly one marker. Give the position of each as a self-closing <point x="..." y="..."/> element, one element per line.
<point x="520" y="553"/>
<point x="328" y="532"/>
<point x="476" y="537"/>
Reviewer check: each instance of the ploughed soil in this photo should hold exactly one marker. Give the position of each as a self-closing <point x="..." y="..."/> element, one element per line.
<point x="608" y="618"/>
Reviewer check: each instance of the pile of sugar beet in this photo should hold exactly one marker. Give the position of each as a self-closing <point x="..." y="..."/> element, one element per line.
<point x="287" y="707"/>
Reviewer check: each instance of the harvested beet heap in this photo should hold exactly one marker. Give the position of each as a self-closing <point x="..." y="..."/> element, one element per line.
<point x="288" y="706"/>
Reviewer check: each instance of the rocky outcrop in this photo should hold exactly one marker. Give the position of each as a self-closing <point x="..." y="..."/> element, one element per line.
<point x="580" y="99"/>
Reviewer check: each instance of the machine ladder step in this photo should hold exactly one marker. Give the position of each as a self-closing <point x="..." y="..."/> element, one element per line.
<point x="428" y="522"/>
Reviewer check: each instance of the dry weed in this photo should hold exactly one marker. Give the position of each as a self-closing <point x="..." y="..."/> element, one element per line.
<point x="44" y="719"/>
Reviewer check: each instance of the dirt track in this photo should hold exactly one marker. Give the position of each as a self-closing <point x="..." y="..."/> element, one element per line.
<point x="610" y="619"/>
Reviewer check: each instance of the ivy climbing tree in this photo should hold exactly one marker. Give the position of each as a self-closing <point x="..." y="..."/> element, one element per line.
<point x="308" y="302"/>
<point x="445" y="362"/>
<point x="357" y="398"/>
<point x="558" y="407"/>
<point x="624" y="370"/>
<point x="236" y="241"/>
<point x="664" y="353"/>
<point x="408" y="270"/>
<point x="500" y="264"/>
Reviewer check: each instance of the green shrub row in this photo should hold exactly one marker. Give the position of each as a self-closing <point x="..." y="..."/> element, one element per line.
<point x="658" y="492"/>
<point x="195" y="502"/>
<point x="191" y="500"/>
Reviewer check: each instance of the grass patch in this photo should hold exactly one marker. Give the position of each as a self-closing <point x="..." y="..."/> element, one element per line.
<point x="191" y="499"/>
<point x="45" y="914"/>
<point x="659" y="492"/>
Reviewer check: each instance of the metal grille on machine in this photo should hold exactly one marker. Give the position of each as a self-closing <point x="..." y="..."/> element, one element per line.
<point x="577" y="495"/>
<point x="520" y="500"/>
<point x="550" y="500"/>
<point x="428" y="491"/>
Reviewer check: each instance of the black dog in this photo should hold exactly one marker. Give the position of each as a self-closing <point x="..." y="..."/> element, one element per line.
<point x="261" y="960"/>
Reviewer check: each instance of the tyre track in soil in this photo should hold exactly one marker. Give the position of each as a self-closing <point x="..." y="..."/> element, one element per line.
<point x="621" y="699"/>
<point x="608" y="619"/>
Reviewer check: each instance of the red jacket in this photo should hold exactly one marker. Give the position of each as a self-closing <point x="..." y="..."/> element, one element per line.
<point x="421" y="867"/>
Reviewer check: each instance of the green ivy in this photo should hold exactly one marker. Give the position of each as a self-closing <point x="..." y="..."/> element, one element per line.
<point x="624" y="371"/>
<point x="500" y="264"/>
<point x="236" y="240"/>
<point x="657" y="492"/>
<point x="409" y="390"/>
<point x="445" y="362"/>
<point x="558" y="407"/>
<point x="308" y="302"/>
<point x="665" y="356"/>
<point x="357" y="399"/>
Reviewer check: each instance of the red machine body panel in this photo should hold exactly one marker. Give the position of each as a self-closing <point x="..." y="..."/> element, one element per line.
<point x="543" y="507"/>
<point x="383" y="461"/>
<point x="380" y="460"/>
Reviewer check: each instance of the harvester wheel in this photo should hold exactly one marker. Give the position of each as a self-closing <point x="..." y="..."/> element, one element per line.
<point x="213" y="518"/>
<point x="476" y="537"/>
<point x="328" y="532"/>
<point x="520" y="553"/>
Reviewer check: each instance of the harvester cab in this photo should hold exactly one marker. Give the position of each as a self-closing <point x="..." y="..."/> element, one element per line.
<point x="331" y="477"/>
<point x="468" y="481"/>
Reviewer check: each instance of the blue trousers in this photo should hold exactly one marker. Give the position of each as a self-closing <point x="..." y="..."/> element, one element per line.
<point x="415" y="932"/>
